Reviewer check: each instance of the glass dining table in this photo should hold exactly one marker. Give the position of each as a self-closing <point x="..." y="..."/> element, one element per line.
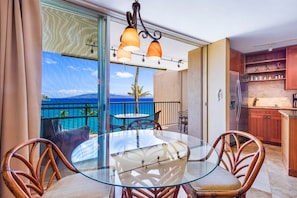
<point x="129" y="116"/>
<point x="144" y="159"/>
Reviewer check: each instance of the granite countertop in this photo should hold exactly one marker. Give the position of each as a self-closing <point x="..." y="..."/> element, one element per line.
<point x="272" y="107"/>
<point x="289" y="113"/>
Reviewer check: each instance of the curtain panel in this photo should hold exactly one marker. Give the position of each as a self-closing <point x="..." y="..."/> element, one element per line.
<point x="20" y="74"/>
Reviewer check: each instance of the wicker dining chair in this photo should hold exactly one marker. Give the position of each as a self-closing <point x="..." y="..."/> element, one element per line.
<point x="144" y="124"/>
<point x="28" y="177"/>
<point x="172" y="160"/>
<point x="241" y="157"/>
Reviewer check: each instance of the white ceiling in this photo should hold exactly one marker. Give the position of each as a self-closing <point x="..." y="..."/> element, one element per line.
<point x="251" y="25"/>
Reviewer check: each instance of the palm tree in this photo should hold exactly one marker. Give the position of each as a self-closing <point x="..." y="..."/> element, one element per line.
<point x="64" y="113"/>
<point x="88" y="111"/>
<point x="137" y="91"/>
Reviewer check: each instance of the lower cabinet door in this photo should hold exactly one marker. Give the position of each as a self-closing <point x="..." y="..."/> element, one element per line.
<point x="265" y="125"/>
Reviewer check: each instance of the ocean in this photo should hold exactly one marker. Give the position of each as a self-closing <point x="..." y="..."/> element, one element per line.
<point x="72" y="111"/>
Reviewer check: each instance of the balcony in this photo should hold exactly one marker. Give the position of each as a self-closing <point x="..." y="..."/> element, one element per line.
<point x="77" y="114"/>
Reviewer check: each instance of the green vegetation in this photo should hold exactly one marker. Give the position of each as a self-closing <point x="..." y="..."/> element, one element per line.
<point x="64" y="113"/>
<point x="44" y="97"/>
<point x="88" y="111"/>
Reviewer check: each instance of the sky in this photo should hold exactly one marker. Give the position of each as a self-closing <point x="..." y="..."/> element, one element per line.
<point x="67" y="76"/>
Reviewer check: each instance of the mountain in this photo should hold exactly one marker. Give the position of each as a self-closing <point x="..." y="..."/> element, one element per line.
<point x="94" y="95"/>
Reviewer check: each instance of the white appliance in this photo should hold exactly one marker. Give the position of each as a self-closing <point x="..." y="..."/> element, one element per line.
<point x="238" y="119"/>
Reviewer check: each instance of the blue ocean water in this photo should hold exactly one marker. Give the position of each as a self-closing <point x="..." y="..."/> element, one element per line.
<point x="75" y="110"/>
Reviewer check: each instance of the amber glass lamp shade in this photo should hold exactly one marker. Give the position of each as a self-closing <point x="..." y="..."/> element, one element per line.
<point x="130" y="39"/>
<point x="123" y="55"/>
<point x="154" y="51"/>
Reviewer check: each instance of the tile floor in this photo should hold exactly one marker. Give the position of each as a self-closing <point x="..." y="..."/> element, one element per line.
<point x="273" y="180"/>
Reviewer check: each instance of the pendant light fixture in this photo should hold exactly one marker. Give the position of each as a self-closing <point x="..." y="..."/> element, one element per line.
<point x="123" y="55"/>
<point x="130" y="39"/>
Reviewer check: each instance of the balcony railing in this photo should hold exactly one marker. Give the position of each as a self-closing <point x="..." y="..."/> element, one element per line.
<point x="74" y="115"/>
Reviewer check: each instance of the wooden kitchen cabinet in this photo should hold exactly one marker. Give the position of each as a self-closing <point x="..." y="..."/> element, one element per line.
<point x="236" y="61"/>
<point x="256" y="123"/>
<point x="289" y="139"/>
<point x="265" y="124"/>
<point x="266" y="66"/>
<point x="291" y="72"/>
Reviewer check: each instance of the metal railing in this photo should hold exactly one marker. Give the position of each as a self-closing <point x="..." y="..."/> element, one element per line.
<point x="74" y="115"/>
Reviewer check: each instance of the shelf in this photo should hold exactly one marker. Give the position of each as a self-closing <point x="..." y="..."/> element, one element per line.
<point x="274" y="79"/>
<point x="267" y="71"/>
<point x="265" y="61"/>
<point x="266" y="66"/>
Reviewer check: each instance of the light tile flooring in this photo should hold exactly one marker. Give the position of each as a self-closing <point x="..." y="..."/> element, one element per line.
<point x="273" y="180"/>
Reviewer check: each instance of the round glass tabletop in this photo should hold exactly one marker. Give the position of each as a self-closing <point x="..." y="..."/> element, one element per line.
<point x="131" y="116"/>
<point x="144" y="158"/>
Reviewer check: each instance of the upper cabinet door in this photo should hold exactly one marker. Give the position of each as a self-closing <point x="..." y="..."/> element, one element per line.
<point x="236" y="61"/>
<point x="291" y="70"/>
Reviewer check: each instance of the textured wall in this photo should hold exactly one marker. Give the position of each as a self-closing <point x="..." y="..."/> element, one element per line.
<point x="270" y="92"/>
<point x="67" y="33"/>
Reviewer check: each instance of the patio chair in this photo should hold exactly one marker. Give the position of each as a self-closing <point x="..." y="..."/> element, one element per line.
<point x="144" y="124"/>
<point x="157" y="115"/>
<point x="183" y="121"/>
<point x="65" y="140"/>
<point x="30" y="170"/>
<point x="238" y="167"/>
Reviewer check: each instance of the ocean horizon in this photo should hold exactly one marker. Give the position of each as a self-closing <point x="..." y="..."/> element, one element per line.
<point x="73" y="108"/>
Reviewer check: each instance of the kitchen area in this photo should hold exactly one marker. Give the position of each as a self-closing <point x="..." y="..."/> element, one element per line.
<point x="271" y="100"/>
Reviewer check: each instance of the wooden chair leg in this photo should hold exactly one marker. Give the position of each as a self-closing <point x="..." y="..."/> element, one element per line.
<point x="168" y="192"/>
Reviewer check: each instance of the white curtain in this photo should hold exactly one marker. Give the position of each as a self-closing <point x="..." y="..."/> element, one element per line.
<point x="20" y="74"/>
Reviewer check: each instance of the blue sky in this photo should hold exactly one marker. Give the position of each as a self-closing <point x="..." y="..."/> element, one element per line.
<point x="66" y="76"/>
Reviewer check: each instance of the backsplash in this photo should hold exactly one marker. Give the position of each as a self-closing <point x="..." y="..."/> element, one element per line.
<point x="270" y="93"/>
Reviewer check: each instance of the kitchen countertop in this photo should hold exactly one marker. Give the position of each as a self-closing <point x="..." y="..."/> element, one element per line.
<point x="273" y="107"/>
<point x="289" y="113"/>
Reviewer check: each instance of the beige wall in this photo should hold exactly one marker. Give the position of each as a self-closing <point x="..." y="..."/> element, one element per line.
<point x="195" y="91"/>
<point x="184" y="90"/>
<point x="218" y="88"/>
<point x="206" y="75"/>
<point x="167" y="86"/>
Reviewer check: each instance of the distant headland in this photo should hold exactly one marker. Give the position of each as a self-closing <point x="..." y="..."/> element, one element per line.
<point x="94" y="95"/>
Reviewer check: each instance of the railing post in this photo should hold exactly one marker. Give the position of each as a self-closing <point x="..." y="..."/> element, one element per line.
<point x="86" y="114"/>
<point x="125" y="111"/>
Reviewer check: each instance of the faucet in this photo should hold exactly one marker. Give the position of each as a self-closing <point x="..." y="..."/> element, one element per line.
<point x="255" y="101"/>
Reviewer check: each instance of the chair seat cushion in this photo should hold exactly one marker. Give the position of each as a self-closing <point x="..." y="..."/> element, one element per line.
<point x="79" y="186"/>
<point x="218" y="180"/>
